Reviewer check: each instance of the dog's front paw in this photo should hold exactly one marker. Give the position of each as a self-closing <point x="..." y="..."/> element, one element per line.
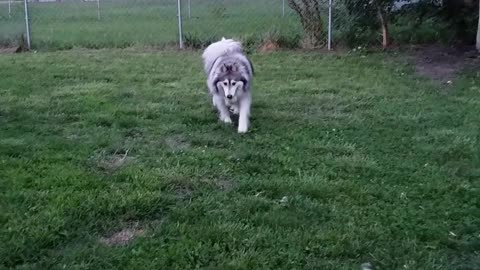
<point x="226" y="120"/>
<point x="242" y="130"/>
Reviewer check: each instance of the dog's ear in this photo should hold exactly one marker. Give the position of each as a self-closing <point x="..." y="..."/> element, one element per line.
<point x="234" y="67"/>
<point x="225" y="68"/>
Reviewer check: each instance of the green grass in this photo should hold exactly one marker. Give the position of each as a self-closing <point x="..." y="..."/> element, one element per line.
<point x="349" y="160"/>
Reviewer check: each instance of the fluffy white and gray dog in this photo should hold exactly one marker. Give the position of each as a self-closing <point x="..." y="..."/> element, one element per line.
<point x="229" y="75"/>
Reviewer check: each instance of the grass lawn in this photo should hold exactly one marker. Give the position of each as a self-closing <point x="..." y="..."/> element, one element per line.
<point x="116" y="160"/>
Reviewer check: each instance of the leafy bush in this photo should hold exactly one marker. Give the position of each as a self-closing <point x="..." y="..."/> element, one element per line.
<point x="418" y="23"/>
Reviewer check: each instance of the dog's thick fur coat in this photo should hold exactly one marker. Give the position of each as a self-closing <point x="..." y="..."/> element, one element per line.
<point x="229" y="75"/>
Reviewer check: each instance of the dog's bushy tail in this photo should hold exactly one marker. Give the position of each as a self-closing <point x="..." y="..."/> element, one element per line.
<point x="218" y="49"/>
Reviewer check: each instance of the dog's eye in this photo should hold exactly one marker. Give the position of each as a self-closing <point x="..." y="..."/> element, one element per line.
<point x="233" y="83"/>
<point x="225" y="83"/>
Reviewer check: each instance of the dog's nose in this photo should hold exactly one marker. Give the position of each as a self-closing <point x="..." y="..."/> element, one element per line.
<point x="229" y="96"/>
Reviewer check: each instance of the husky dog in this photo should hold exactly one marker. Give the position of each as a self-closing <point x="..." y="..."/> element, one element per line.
<point x="229" y="75"/>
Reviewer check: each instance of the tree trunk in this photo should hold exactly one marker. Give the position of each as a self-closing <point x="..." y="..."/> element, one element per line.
<point x="384" y="26"/>
<point x="310" y="17"/>
<point x="478" y="28"/>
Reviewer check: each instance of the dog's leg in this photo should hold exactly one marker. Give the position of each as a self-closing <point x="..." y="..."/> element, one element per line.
<point x="244" y="111"/>
<point x="214" y="102"/>
<point x="222" y="109"/>
<point x="212" y="91"/>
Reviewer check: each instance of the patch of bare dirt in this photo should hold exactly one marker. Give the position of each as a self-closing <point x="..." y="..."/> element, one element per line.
<point x="177" y="143"/>
<point x="123" y="237"/>
<point x="225" y="184"/>
<point x="183" y="192"/>
<point x="443" y="64"/>
<point x="112" y="162"/>
<point x="8" y="50"/>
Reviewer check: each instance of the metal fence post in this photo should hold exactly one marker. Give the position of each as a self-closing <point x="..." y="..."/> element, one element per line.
<point x="9" y="8"/>
<point x="330" y="25"/>
<point x="283" y="8"/>
<point x="189" y="9"/>
<point x="27" y="23"/>
<point x="180" y="35"/>
<point x="98" y="10"/>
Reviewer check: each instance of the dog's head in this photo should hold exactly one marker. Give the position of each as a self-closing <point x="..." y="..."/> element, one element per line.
<point x="230" y="81"/>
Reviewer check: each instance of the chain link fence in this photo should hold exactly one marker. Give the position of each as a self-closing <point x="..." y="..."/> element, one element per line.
<point x="102" y="23"/>
<point x="264" y="24"/>
<point x="65" y="24"/>
<point x="12" y="23"/>
<point x="253" y="21"/>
